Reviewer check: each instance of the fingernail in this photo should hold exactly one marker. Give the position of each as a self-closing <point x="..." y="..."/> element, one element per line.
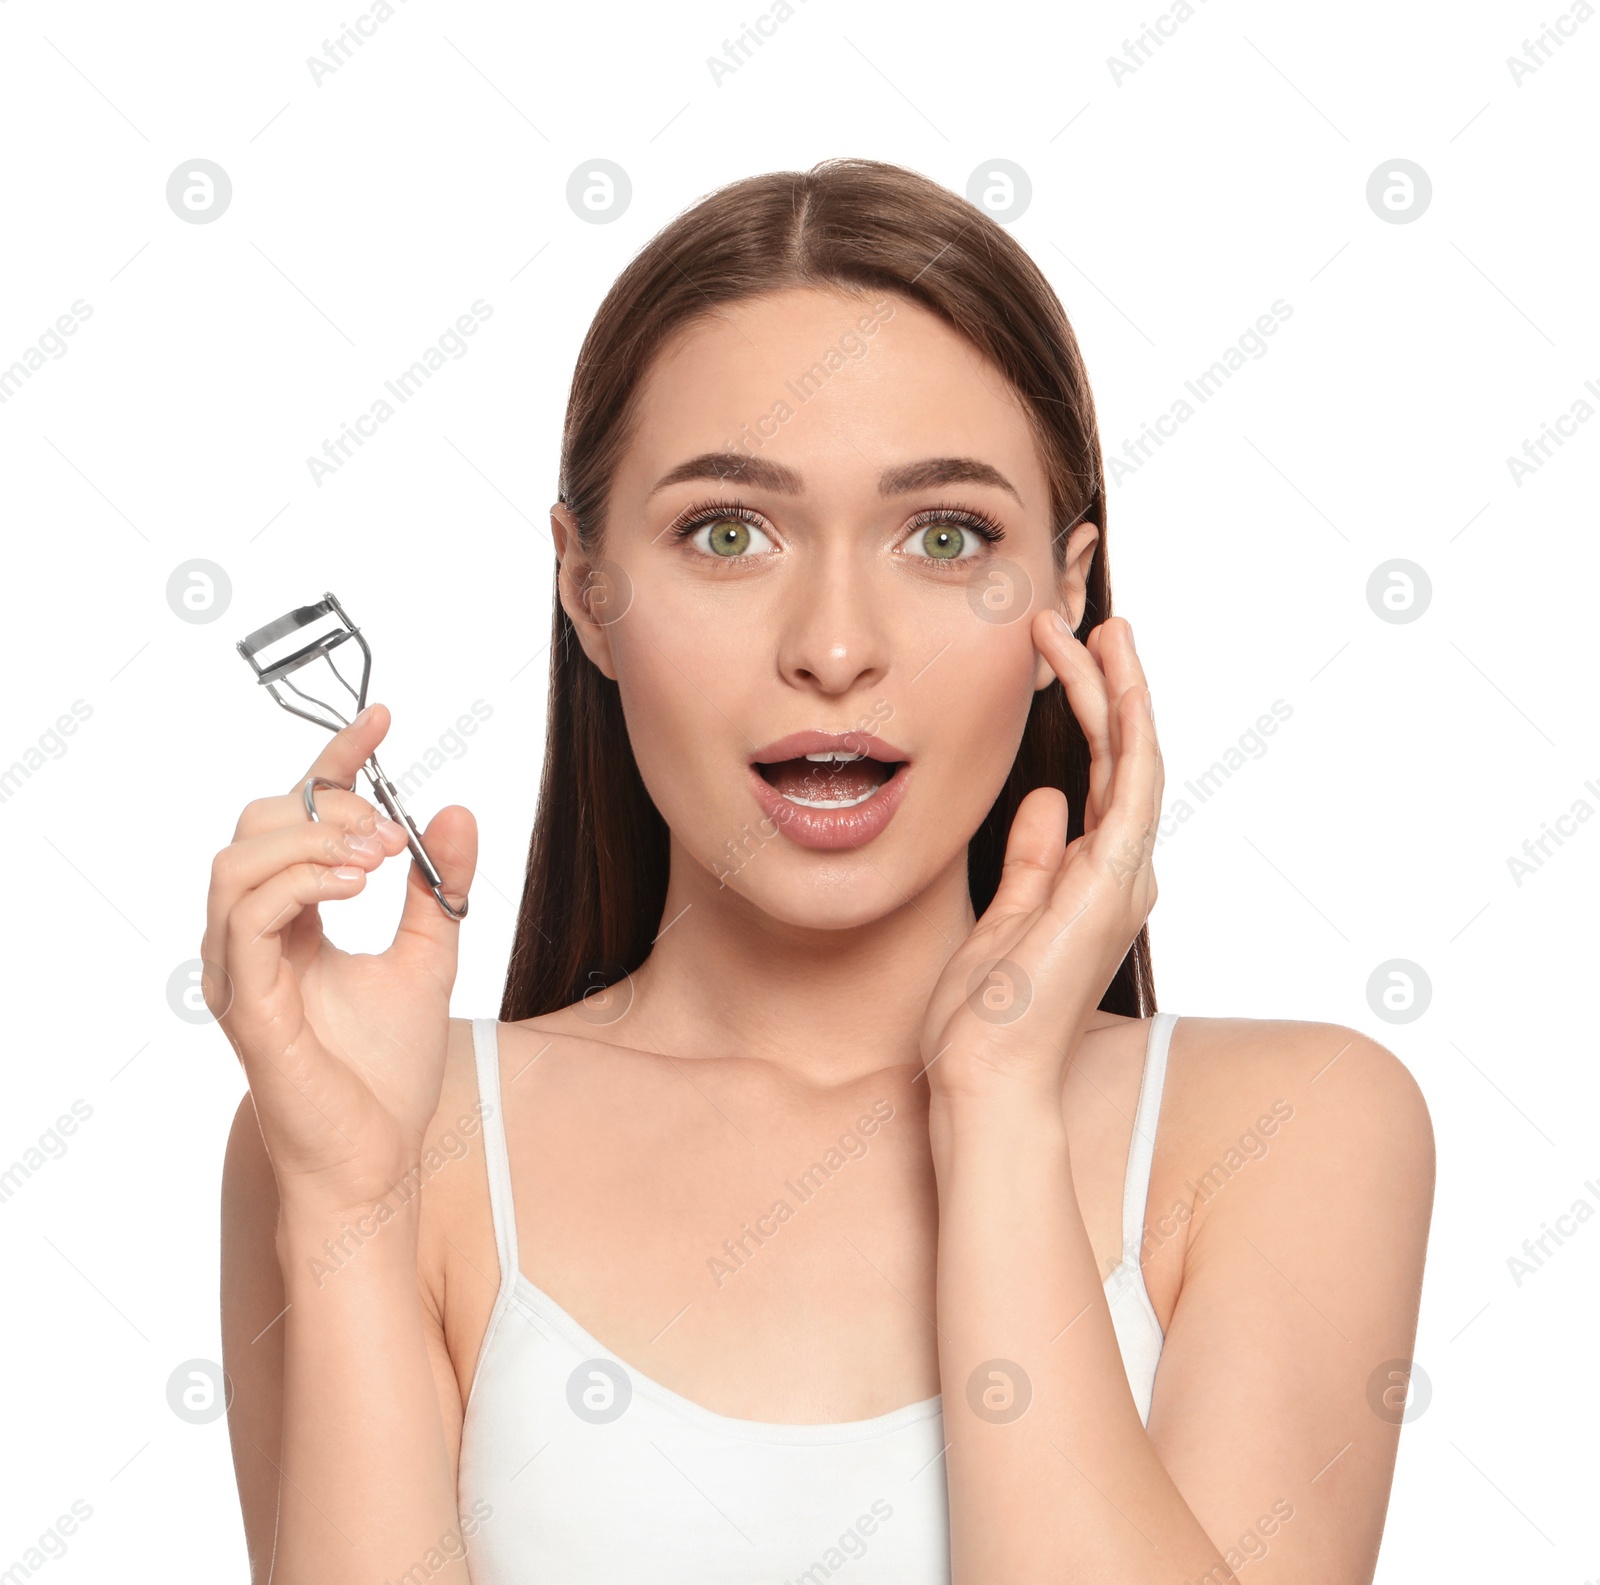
<point x="1149" y="705"/>
<point x="1060" y="622"/>
<point x="361" y="844"/>
<point x="390" y="829"/>
<point x="348" y="872"/>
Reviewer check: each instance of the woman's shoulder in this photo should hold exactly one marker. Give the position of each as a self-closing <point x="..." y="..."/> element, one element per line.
<point x="1224" y="1070"/>
<point x="1330" y="1105"/>
<point x="1329" y="1066"/>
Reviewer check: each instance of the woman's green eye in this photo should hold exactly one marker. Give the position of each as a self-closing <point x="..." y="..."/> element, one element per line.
<point x="729" y="536"/>
<point x="944" y="541"/>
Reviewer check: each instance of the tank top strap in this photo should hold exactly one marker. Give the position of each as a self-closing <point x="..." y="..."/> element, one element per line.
<point x="486" y="1046"/>
<point x="1142" y="1146"/>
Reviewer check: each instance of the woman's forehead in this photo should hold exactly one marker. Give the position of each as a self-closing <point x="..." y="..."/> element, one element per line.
<point x="827" y="386"/>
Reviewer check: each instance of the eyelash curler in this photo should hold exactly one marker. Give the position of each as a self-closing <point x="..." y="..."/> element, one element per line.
<point x="271" y="674"/>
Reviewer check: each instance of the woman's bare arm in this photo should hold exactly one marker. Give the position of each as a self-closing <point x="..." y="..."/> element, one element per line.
<point x="339" y="1421"/>
<point x="253" y="1312"/>
<point x="252" y="1338"/>
<point x="1273" y="1431"/>
<point x="1301" y="1282"/>
<point x="1285" y="1372"/>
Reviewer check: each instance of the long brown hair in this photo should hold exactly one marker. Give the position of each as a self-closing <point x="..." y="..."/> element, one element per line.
<point x="597" y="865"/>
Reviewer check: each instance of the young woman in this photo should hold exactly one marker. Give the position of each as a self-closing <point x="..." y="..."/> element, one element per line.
<point x="829" y="1194"/>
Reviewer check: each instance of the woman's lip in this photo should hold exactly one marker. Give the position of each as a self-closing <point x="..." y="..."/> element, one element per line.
<point x="830" y="828"/>
<point x="859" y="740"/>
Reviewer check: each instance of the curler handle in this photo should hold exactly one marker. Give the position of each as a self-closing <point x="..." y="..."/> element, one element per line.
<point x="386" y="794"/>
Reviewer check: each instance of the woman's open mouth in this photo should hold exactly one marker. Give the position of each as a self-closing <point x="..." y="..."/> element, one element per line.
<point x="830" y="789"/>
<point x="833" y="780"/>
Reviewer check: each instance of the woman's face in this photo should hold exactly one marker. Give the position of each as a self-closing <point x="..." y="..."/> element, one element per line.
<point x="802" y="539"/>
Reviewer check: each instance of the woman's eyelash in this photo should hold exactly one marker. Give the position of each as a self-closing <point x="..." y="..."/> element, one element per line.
<point x="694" y="517"/>
<point x="979" y="523"/>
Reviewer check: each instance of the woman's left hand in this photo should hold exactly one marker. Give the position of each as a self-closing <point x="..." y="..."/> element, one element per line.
<point x="1011" y="1005"/>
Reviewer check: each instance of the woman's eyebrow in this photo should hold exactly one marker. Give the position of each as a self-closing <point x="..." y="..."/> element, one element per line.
<point x="765" y="474"/>
<point x="943" y="470"/>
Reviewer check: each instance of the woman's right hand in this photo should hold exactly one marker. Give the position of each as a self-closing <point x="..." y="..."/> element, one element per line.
<point x="344" y="1052"/>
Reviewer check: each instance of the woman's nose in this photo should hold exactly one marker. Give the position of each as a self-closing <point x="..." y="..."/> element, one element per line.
<point x="831" y="633"/>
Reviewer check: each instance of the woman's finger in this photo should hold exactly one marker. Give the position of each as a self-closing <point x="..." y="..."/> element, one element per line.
<point x="1124" y="676"/>
<point x="1036" y="848"/>
<point x="1095" y="643"/>
<point x="1106" y="688"/>
<point x="334" y="807"/>
<point x="1126" y="835"/>
<point x="339" y="763"/>
<point x="1108" y="873"/>
<point x="350" y="748"/>
<point x="255" y="928"/>
<point x="1081" y="676"/>
<point x="427" y="936"/>
<point x="243" y="866"/>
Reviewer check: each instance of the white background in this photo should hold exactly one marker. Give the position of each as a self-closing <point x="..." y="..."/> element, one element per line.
<point x="370" y="210"/>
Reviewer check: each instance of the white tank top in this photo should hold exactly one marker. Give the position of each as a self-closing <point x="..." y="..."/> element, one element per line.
<point x="578" y="1469"/>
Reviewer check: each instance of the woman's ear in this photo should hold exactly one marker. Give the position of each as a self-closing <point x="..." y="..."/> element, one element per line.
<point x="585" y="589"/>
<point x="1072" y="590"/>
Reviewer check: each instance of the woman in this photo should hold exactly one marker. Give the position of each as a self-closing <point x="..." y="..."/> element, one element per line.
<point x="829" y="1194"/>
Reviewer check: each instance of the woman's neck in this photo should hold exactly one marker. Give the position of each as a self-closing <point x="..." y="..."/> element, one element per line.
<point x="727" y="979"/>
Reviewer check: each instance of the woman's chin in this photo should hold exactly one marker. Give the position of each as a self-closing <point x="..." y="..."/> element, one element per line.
<point x="833" y="889"/>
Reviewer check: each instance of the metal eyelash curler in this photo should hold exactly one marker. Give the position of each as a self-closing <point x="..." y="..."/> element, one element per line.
<point x="273" y="673"/>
